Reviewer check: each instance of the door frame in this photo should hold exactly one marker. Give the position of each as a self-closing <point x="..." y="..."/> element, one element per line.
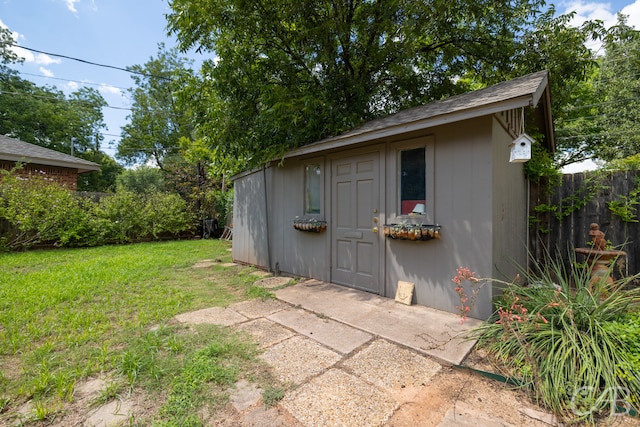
<point x="381" y="151"/>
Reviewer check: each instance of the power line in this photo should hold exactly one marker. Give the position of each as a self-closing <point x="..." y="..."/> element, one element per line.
<point x="70" y="80"/>
<point x="51" y="98"/>
<point x="84" y="61"/>
<point x="598" y="134"/>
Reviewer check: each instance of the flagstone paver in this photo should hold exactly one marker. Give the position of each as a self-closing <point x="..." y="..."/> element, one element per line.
<point x="256" y="308"/>
<point x="337" y="398"/>
<point x="214" y="315"/>
<point x="265" y="332"/>
<point x="298" y="358"/>
<point x="336" y="335"/>
<point x="273" y="282"/>
<point x="392" y="367"/>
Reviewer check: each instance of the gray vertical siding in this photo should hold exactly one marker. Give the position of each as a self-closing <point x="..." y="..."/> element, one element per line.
<point x="299" y="253"/>
<point x="510" y="222"/>
<point x="478" y="197"/>
<point x="295" y="252"/>
<point x="249" y="220"/>
<point x="463" y="207"/>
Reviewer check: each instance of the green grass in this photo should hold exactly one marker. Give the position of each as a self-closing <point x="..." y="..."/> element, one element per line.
<point x="66" y="315"/>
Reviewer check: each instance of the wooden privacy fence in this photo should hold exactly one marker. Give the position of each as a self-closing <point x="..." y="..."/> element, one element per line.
<point x="560" y="217"/>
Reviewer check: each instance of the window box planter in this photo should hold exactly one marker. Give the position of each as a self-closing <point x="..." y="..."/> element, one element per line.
<point x="311" y="225"/>
<point x="417" y="232"/>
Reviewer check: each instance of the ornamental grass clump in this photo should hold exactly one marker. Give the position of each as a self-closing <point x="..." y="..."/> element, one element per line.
<point x="561" y="337"/>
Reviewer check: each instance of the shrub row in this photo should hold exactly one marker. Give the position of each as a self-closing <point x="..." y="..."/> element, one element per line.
<point x="38" y="211"/>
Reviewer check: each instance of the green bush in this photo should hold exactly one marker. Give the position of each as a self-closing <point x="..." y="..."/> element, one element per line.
<point x="167" y="214"/>
<point x="144" y="179"/>
<point x="127" y="216"/>
<point x="38" y="211"/>
<point x="222" y="205"/>
<point x="121" y="217"/>
<point x="563" y="338"/>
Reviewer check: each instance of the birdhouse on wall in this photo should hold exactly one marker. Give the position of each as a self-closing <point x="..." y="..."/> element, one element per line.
<point x="521" y="149"/>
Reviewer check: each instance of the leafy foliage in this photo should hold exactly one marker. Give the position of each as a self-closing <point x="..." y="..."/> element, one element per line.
<point x="157" y="121"/>
<point x="287" y="73"/>
<point x="44" y="116"/>
<point x="143" y="179"/>
<point x="37" y="210"/>
<point x="103" y="180"/>
<point x="559" y="335"/>
<point x="601" y="121"/>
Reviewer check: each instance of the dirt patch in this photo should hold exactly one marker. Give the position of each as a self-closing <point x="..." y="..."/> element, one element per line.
<point x="451" y="386"/>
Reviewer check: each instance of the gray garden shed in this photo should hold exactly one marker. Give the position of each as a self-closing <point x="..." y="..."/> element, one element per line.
<point x="357" y="209"/>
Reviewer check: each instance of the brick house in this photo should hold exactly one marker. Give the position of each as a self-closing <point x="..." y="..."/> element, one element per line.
<point x="40" y="161"/>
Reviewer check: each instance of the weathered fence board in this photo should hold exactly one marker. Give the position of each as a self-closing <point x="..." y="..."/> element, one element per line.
<point x="560" y="218"/>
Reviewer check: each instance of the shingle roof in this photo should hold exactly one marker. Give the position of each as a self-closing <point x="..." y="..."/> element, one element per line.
<point x="19" y="151"/>
<point x="526" y="91"/>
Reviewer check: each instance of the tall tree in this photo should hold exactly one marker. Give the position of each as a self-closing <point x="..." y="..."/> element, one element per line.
<point x="45" y="116"/>
<point x="288" y="72"/>
<point x="7" y="56"/>
<point x="603" y="119"/>
<point x="157" y="121"/>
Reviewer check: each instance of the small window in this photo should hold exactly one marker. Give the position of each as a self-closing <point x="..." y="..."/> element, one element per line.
<point x="312" y="188"/>
<point x="412" y="181"/>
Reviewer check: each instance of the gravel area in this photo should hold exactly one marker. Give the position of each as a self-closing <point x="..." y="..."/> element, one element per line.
<point x="392" y="367"/>
<point x="256" y="308"/>
<point x="265" y="332"/>
<point x="214" y="315"/>
<point x="337" y="398"/>
<point x="298" y="358"/>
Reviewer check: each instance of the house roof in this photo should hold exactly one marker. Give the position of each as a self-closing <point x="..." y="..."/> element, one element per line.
<point x="528" y="91"/>
<point x="19" y="151"/>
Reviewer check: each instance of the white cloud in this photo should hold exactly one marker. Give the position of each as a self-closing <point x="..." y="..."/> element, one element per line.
<point x="38" y="58"/>
<point x="586" y="165"/>
<point x="28" y="56"/>
<point x="586" y="11"/>
<point x="72" y="86"/>
<point x="603" y="11"/>
<point x="633" y="11"/>
<point x="46" y="72"/>
<point x="71" y="5"/>
<point x="108" y="89"/>
<point x="44" y="59"/>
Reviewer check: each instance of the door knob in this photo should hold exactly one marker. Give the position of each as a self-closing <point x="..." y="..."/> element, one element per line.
<point x="374" y="229"/>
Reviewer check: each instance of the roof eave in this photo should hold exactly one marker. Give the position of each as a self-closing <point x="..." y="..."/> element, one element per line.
<point x="421" y="124"/>
<point x="81" y="167"/>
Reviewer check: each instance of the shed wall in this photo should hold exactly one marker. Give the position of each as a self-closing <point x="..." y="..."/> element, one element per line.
<point x="510" y="221"/>
<point x="250" y="219"/>
<point x="463" y="207"/>
<point x="297" y="252"/>
<point x="479" y="199"/>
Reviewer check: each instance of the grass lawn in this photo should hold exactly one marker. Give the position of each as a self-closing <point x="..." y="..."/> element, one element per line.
<point x="71" y="314"/>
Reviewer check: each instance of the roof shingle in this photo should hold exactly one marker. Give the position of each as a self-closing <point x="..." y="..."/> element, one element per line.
<point x="19" y="151"/>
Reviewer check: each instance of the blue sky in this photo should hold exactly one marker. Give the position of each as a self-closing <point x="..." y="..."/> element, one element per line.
<point x="122" y="33"/>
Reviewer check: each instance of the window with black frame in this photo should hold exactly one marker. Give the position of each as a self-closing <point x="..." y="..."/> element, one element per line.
<point x="412" y="181"/>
